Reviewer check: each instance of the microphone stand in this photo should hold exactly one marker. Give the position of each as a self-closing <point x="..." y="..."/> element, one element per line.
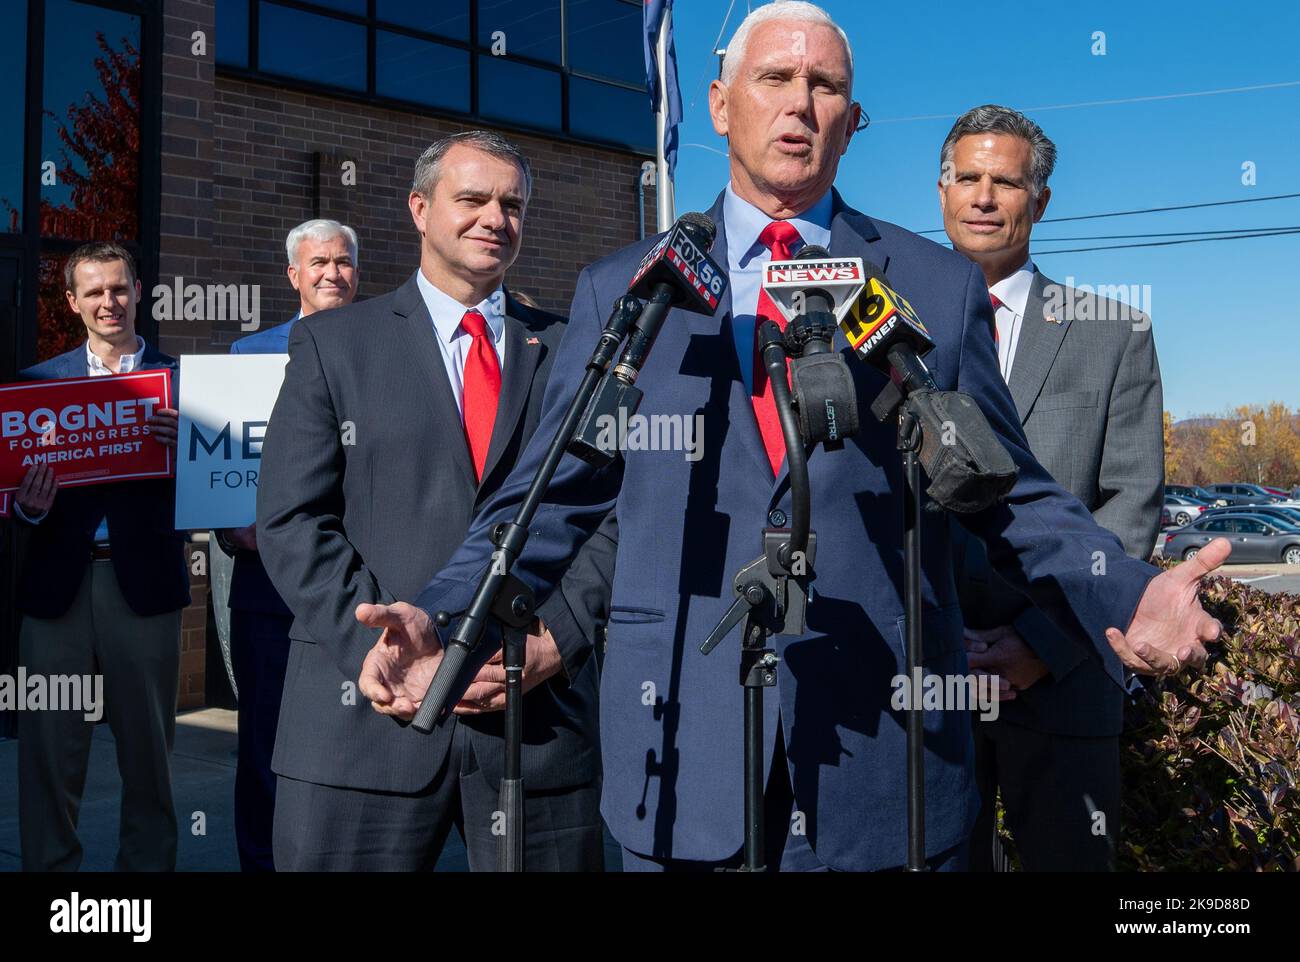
<point x="504" y="598"/>
<point x="910" y="437"/>
<point x="771" y="598"/>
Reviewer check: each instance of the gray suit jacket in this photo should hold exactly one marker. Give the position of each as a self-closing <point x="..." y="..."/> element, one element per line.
<point x="1086" y="384"/>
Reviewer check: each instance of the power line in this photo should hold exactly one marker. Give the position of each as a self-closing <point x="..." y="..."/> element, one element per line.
<point x="1152" y="210"/>
<point x="696" y="96"/>
<point x="1106" y="103"/>
<point x="1179" y="233"/>
<point x="1193" y="240"/>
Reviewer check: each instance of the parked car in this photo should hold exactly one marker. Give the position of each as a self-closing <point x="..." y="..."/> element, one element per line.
<point x="1284" y="511"/>
<point x="1280" y="492"/>
<point x="1254" y="538"/>
<point x="1183" y="510"/>
<point x="1193" y="491"/>
<point x="1242" y="494"/>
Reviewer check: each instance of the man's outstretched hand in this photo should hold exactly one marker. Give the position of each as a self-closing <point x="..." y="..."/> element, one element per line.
<point x="1170" y="628"/>
<point x="398" y="670"/>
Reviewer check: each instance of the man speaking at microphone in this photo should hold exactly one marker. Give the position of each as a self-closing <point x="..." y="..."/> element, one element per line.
<point x="671" y="720"/>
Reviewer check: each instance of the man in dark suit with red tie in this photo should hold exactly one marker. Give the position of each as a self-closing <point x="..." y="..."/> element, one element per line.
<point x="451" y="369"/>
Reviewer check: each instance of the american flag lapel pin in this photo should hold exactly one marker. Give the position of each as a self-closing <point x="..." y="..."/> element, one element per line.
<point x="532" y="340"/>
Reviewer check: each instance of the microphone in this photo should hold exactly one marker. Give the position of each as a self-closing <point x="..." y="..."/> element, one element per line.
<point x="967" y="465"/>
<point x="813" y="291"/>
<point x="676" y="272"/>
<point x="884" y="330"/>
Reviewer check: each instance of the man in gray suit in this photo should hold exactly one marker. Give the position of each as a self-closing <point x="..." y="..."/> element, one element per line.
<point x="1083" y="374"/>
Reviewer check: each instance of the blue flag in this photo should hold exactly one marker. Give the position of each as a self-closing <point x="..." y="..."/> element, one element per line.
<point x="654" y="14"/>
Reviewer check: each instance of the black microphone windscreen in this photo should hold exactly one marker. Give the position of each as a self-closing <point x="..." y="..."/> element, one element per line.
<point x="701" y="228"/>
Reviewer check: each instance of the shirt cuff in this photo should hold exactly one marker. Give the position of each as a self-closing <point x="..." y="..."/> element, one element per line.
<point x="572" y="643"/>
<point x="30" y="519"/>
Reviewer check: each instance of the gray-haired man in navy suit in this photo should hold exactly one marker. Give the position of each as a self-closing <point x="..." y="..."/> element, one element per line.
<point x="323" y="269"/>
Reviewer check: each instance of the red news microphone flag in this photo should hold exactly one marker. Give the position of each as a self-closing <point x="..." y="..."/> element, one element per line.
<point x="654" y="15"/>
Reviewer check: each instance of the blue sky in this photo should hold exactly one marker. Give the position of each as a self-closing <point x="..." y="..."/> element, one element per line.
<point x="1226" y="315"/>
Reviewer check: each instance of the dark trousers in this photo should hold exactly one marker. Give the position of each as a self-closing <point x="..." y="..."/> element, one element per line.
<point x="259" y="656"/>
<point x="1060" y="794"/>
<point x="326" y="828"/>
<point x="139" y="659"/>
<point x="786" y="847"/>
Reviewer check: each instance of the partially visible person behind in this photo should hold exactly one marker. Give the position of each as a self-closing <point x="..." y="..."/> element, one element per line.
<point x="323" y="270"/>
<point x="1087" y="392"/>
<point x="101" y="590"/>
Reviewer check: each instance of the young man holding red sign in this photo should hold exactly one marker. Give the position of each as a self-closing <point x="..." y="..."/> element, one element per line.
<point x="102" y="587"/>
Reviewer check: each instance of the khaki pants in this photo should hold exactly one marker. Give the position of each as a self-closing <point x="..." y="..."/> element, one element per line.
<point x="139" y="658"/>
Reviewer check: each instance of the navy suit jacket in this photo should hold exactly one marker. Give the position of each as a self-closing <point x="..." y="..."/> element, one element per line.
<point x="671" y="718"/>
<point x="148" y="553"/>
<point x="250" y="585"/>
<point x="367" y="486"/>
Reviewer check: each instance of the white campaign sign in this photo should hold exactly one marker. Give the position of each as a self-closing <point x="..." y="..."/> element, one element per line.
<point x="225" y="404"/>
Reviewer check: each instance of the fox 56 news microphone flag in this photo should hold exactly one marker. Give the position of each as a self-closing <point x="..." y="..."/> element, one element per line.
<point x="665" y="100"/>
<point x="677" y="273"/>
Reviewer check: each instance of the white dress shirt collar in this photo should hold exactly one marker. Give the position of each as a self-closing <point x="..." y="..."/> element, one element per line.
<point x="745" y="222"/>
<point x="126" y="364"/>
<point x="447" y="312"/>
<point x="1013" y="291"/>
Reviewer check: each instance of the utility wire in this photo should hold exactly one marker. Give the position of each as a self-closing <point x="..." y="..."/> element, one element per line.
<point x="1194" y="240"/>
<point x="1182" y="233"/>
<point x="1105" y="103"/>
<point x="1151" y="210"/>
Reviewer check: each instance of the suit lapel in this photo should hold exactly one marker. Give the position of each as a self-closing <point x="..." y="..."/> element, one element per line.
<point x="742" y="405"/>
<point x="416" y="332"/>
<point x="1040" y="340"/>
<point x="521" y="363"/>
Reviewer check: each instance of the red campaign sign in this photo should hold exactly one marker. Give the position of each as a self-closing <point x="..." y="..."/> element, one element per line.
<point x="91" y="430"/>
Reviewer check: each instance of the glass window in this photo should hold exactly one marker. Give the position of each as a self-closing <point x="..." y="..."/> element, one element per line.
<point x="346" y="6"/>
<point x="91" y="130"/>
<point x="528" y="28"/>
<point x="605" y="39"/>
<point x="517" y="93"/>
<point x="421" y="71"/>
<point x="232" y="32"/>
<point x="446" y="18"/>
<point x="13" y="87"/>
<point x="308" y="46"/>
<point x="1219" y="525"/>
<point x="58" y="328"/>
<point x="603" y="112"/>
<point x="1251" y="527"/>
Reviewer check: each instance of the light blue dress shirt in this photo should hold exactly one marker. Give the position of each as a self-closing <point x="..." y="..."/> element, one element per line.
<point x="453" y="341"/>
<point x="746" y="258"/>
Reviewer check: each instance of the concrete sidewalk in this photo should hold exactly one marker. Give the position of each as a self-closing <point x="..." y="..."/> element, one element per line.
<point x="203" y="781"/>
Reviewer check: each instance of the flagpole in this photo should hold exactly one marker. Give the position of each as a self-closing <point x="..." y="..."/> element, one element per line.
<point x="664" y="200"/>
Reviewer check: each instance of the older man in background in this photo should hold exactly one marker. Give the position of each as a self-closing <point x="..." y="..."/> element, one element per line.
<point x="323" y="269"/>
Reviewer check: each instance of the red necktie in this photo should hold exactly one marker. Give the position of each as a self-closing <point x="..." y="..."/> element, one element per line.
<point x="996" y="302"/>
<point x="778" y="237"/>
<point x="482" y="389"/>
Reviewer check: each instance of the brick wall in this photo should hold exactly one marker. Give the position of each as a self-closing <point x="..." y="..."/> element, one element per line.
<point x="185" y="247"/>
<point x="268" y="144"/>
